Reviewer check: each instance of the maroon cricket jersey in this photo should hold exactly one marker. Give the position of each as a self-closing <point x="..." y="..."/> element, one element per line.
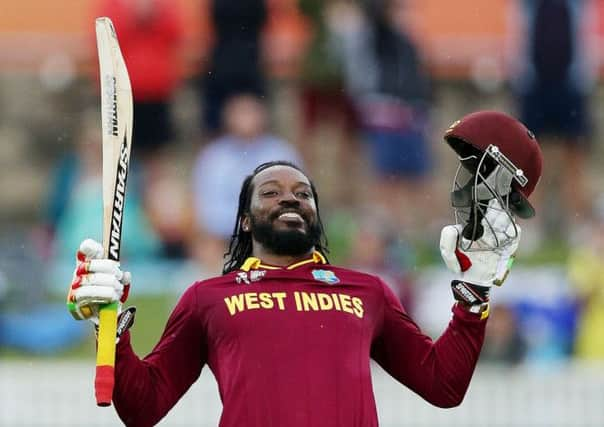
<point x="292" y="347"/>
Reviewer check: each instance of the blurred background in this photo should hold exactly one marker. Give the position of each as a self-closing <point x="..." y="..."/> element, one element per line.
<point x="360" y="93"/>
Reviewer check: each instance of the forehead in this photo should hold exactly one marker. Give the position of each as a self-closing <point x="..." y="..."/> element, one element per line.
<point x="280" y="174"/>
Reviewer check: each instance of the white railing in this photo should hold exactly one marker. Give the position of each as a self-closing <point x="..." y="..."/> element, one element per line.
<point x="46" y="393"/>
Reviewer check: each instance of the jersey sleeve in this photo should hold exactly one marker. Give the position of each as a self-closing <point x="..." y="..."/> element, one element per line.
<point x="439" y="371"/>
<point x="145" y="390"/>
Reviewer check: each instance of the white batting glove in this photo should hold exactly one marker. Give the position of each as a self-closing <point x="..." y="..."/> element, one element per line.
<point x="486" y="264"/>
<point x="95" y="282"/>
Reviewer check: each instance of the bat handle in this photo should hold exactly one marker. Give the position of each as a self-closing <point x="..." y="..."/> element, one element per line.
<point x="105" y="356"/>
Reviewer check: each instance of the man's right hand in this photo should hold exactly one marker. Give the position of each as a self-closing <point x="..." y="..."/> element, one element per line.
<point x="96" y="282"/>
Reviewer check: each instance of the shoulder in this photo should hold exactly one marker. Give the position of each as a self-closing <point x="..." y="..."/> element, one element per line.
<point x="354" y="276"/>
<point x="371" y="283"/>
<point x="369" y="287"/>
<point x="213" y="282"/>
<point x="204" y="293"/>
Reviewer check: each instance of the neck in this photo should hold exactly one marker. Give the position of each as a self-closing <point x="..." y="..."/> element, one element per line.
<point x="271" y="258"/>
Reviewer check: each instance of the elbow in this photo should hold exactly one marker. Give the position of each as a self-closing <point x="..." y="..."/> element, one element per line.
<point x="446" y="397"/>
<point x="448" y="400"/>
<point x="138" y="421"/>
<point x="136" y="417"/>
<point x="448" y="403"/>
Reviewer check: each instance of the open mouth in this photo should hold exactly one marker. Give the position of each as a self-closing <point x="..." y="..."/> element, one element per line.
<point x="291" y="218"/>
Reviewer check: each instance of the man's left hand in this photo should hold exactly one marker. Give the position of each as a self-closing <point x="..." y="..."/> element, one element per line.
<point x="486" y="263"/>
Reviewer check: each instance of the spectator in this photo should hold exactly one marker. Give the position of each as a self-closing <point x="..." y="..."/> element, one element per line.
<point x="167" y="206"/>
<point x="586" y="274"/>
<point x="75" y="200"/>
<point x="323" y="100"/>
<point x="392" y="94"/>
<point x="285" y="37"/>
<point x="150" y="34"/>
<point x="375" y="249"/>
<point x="552" y="83"/>
<point x="29" y="322"/>
<point x="151" y="38"/>
<point x="221" y="166"/>
<point x="503" y="342"/>
<point x="235" y="60"/>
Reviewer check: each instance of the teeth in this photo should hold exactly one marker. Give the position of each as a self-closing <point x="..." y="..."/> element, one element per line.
<point x="291" y="215"/>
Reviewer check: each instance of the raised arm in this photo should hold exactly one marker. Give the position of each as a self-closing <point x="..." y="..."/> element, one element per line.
<point x="439" y="371"/>
<point x="145" y="390"/>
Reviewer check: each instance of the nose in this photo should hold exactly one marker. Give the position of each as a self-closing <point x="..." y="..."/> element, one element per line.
<point x="288" y="198"/>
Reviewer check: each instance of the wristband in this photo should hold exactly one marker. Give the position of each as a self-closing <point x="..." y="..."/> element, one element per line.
<point x="469" y="293"/>
<point x="125" y="320"/>
<point x="475" y="298"/>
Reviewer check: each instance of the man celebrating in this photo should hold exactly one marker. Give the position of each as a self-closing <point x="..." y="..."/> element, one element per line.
<point x="288" y="336"/>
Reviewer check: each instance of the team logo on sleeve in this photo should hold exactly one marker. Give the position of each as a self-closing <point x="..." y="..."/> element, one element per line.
<point x="326" y="276"/>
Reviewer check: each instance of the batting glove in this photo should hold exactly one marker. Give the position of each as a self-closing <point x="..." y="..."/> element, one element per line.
<point x="486" y="264"/>
<point x="96" y="282"/>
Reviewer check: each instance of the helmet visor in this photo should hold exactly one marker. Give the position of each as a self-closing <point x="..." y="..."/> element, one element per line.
<point x="479" y="181"/>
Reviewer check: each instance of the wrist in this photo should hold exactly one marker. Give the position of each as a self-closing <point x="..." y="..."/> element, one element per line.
<point x="125" y="320"/>
<point x="470" y="294"/>
<point x="480" y="309"/>
<point x="471" y="297"/>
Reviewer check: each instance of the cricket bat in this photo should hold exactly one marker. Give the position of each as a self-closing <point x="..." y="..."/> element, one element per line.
<point x="117" y="119"/>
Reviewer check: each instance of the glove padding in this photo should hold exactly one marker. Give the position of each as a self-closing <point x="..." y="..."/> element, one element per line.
<point x="486" y="264"/>
<point x="95" y="282"/>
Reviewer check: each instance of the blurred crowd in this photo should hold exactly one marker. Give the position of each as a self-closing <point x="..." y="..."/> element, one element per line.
<point x="343" y="88"/>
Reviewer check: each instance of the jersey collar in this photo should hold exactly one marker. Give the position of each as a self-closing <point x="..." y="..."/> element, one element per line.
<point x="253" y="263"/>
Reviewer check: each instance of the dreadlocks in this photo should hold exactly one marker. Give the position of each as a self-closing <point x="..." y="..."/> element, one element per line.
<point x="240" y="246"/>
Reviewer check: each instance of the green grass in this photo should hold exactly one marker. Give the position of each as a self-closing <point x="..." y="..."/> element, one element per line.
<point x="550" y="252"/>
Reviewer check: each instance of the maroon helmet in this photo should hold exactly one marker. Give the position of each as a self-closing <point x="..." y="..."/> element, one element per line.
<point x="507" y="142"/>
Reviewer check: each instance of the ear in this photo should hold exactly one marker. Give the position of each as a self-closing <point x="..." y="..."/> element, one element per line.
<point x="246" y="225"/>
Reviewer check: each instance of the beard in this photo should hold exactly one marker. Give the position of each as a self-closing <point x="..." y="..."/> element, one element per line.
<point x="285" y="242"/>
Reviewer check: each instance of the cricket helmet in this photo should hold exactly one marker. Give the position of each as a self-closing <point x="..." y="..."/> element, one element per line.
<point x="499" y="159"/>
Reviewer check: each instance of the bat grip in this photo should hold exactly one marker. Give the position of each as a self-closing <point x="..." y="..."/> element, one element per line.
<point x="105" y="356"/>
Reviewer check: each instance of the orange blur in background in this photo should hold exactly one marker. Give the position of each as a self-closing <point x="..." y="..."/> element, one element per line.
<point x="441" y="28"/>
